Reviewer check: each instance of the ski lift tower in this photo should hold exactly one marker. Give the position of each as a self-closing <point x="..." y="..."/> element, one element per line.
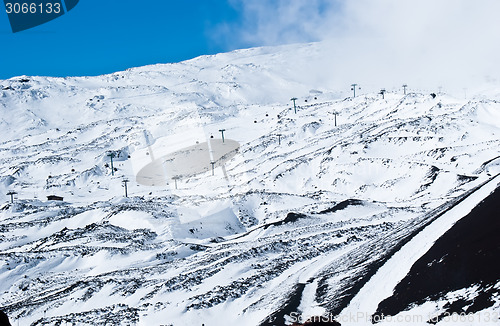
<point x="335" y="115"/>
<point x="294" y="106"/>
<point x="213" y="166"/>
<point x="111" y="155"/>
<point x="353" y="88"/>
<point x="11" y="194"/>
<point x="125" y="181"/>
<point x="222" y="132"/>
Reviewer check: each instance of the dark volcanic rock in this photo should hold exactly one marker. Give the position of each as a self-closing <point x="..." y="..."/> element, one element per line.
<point x="343" y="205"/>
<point x="466" y="255"/>
<point x="4" y="320"/>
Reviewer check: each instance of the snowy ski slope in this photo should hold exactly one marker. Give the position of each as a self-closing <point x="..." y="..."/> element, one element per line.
<point x="296" y="218"/>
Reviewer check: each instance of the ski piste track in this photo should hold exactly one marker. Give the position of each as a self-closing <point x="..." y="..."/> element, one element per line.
<point x="366" y="260"/>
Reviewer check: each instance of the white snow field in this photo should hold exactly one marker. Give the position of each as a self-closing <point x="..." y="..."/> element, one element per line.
<point x="294" y="217"/>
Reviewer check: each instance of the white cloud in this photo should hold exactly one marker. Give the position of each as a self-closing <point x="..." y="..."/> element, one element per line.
<point x="383" y="43"/>
<point x="271" y="22"/>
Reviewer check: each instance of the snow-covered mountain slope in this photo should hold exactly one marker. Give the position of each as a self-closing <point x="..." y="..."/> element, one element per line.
<point x="294" y="217"/>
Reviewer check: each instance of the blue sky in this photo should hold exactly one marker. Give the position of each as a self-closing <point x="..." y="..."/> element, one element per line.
<point x="103" y="36"/>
